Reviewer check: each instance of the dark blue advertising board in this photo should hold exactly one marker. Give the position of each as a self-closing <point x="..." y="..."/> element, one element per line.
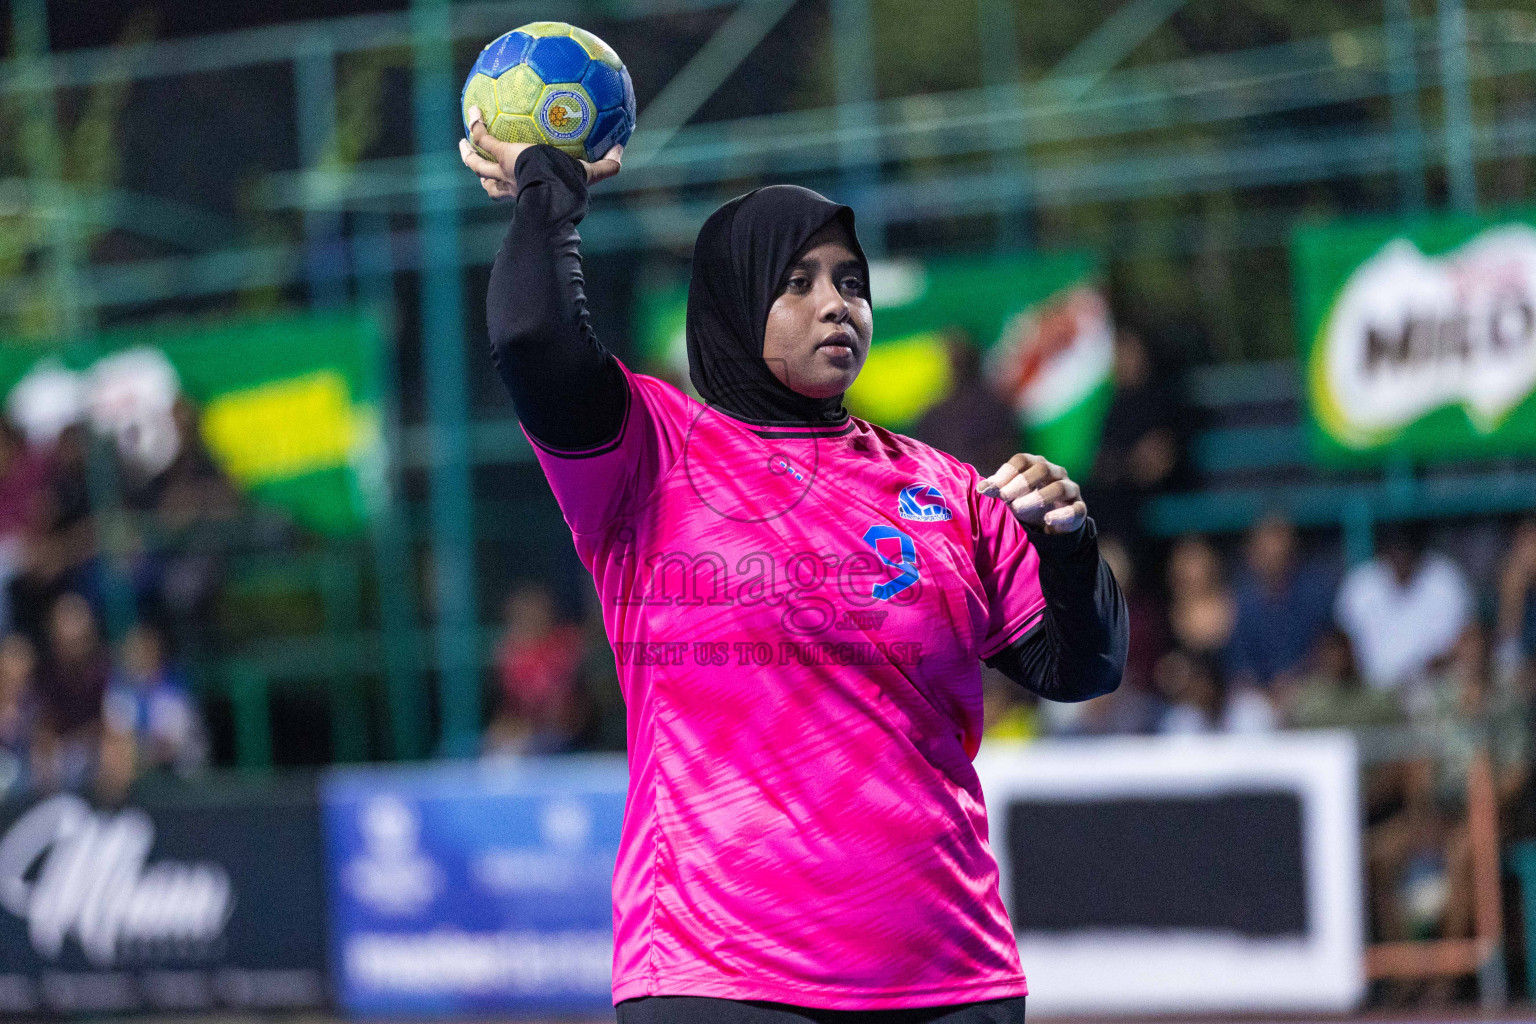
<point x="473" y="888"/>
<point x="200" y="900"/>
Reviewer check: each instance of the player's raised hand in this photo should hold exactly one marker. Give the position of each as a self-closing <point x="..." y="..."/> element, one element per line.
<point x="496" y="174"/>
<point x="605" y="168"/>
<point x="1039" y="492"/>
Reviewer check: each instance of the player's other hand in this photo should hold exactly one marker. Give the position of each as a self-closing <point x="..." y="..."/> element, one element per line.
<point x="496" y="174"/>
<point x="1039" y="492"/>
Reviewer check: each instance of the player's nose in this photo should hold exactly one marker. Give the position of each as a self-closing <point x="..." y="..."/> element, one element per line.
<point x="831" y="304"/>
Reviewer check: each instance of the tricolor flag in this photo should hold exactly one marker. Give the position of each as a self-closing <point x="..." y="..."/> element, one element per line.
<point x="1055" y="364"/>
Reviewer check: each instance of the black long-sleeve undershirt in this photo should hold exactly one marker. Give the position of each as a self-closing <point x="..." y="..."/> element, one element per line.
<point x="568" y="389"/>
<point x="1078" y="649"/>
<point x="571" y="395"/>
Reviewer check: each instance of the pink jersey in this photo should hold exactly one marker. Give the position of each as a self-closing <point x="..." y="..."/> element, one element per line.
<point x="798" y="617"/>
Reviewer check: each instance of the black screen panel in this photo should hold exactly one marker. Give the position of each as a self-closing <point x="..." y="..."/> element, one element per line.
<point x="1230" y="862"/>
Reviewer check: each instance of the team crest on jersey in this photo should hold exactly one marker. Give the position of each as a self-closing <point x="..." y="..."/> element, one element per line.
<point x="922" y="503"/>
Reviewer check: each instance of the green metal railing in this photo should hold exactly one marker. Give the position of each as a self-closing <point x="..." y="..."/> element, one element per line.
<point x="1247" y="472"/>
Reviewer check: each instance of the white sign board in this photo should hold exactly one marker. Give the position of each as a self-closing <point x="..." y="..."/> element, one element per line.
<point x="1142" y="970"/>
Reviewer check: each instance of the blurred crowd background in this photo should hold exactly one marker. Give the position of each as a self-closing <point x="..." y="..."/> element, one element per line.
<point x="1427" y="649"/>
<point x="181" y="598"/>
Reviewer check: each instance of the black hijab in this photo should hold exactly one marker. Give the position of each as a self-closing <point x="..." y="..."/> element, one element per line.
<point x="739" y="262"/>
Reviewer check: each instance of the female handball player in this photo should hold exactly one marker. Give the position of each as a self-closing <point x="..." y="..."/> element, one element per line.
<point x="799" y="603"/>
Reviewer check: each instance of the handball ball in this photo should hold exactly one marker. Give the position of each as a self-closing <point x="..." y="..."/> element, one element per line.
<point x="553" y="83"/>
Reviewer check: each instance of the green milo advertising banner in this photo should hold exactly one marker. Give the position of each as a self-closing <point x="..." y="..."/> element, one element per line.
<point x="1419" y="339"/>
<point x="1040" y="321"/>
<point x="287" y="407"/>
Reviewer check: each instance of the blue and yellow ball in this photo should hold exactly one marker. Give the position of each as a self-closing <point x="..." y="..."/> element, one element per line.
<point x="553" y="83"/>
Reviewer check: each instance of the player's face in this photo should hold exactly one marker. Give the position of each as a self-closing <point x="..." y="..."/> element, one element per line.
<point x="818" y="330"/>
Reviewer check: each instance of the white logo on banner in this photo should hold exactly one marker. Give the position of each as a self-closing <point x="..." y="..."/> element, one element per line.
<point x="68" y="870"/>
<point x="565" y="826"/>
<point x="1411" y="333"/>
<point x="391" y="875"/>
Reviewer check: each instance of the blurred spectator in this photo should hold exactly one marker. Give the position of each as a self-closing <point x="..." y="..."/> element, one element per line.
<point x="1011" y="712"/>
<point x="23" y="475"/>
<point x="193" y="486"/>
<point x="192" y="501"/>
<point x="1198" y="702"/>
<point x="1138" y="448"/>
<point x="62" y="541"/>
<point x="600" y="681"/>
<point x="973" y="422"/>
<point x="1420" y="857"/>
<point x="1403" y="611"/>
<point x="1329" y="695"/>
<point x="72" y="680"/>
<point x="18" y="664"/>
<point x="151" y="719"/>
<point x="1517" y="599"/>
<point x="1144" y="613"/>
<point x="1282" y="609"/>
<point x="537" y="664"/>
<point x="1201" y="611"/>
<point x="1469" y="711"/>
<point x="1128" y="711"/>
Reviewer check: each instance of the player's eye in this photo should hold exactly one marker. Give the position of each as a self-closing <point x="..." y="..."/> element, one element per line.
<point x="854" y="285"/>
<point x="799" y="282"/>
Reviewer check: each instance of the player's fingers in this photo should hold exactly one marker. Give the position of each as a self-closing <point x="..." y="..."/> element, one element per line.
<point x="1067" y="518"/>
<point x="476" y="122"/>
<point x="481" y="136"/>
<point x="1042" y="471"/>
<point x="503" y="153"/>
<point x="477" y="163"/>
<point x="994" y="484"/>
<point x="1050" y="495"/>
<point x="1022" y="461"/>
<point x="1058" y="493"/>
<point x="1029" y="508"/>
<point x="600" y="170"/>
<point x="1014" y="489"/>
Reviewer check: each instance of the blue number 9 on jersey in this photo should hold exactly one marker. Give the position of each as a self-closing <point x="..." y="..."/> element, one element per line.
<point x="553" y="83"/>
<point x="897" y="550"/>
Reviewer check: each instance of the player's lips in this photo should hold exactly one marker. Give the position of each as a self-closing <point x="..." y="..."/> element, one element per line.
<point x="839" y="343"/>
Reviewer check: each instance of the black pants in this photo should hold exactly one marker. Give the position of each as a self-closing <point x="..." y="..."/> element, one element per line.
<point x="699" y="1010"/>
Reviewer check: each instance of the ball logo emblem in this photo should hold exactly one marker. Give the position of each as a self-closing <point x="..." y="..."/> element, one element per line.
<point x="565" y="115"/>
<point x="923" y="503"/>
